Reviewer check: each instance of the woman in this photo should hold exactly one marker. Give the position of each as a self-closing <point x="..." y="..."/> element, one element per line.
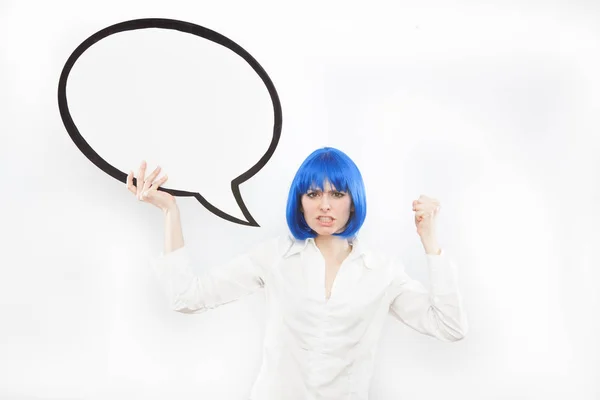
<point x="327" y="296"/>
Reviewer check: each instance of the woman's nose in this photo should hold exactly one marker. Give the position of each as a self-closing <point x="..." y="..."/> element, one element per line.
<point x="325" y="203"/>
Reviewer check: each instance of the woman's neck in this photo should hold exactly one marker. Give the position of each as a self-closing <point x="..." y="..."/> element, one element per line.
<point x="333" y="246"/>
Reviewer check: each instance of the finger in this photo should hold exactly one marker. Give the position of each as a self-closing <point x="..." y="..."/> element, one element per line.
<point x="130" y="186"/>
<point x="429" y="205"/>
<point x="150" y="180"/>
<point x="140" y="179"/>
<point x="159" y="182"/>
<point x="424" y="207"/>
<point x="156" y="185"/>
<point x="424" y="213"/>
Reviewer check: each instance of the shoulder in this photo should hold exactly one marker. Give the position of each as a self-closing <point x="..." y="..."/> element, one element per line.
<point x="380" y="262"/>
<point x="373" y="259"/>
<point x="376" y="260"/>
<point x="386" y="261"/>
<point x="272" y="248"/>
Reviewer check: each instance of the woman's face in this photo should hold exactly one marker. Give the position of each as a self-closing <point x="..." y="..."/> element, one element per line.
<point x="326" y="212"/>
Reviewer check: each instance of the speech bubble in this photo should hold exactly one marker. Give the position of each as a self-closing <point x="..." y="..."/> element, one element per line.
<point x="198" y="31"/>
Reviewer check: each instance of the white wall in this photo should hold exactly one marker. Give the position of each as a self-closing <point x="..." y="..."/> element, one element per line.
<point x="492" y="109"/>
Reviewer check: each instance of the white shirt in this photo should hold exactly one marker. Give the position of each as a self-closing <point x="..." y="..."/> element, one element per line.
<point x="317" y="348"/>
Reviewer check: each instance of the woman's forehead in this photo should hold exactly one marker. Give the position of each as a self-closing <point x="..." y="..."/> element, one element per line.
<point x="326" y="185"/>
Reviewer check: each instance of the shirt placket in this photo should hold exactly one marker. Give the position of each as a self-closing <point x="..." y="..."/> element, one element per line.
<point x="317" y="355"/>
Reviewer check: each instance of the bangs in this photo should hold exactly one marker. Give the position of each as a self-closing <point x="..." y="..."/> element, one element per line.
<point x="321" y="169"/>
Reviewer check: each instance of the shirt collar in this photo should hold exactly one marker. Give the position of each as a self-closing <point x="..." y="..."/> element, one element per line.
<point x="358" y="250"/>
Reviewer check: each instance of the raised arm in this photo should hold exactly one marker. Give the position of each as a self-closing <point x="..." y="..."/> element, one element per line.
<point x="186" y="291"/>
<point x="192" y="293"/>
<point x="438" y="312"/>
<point x="173" y="230"/>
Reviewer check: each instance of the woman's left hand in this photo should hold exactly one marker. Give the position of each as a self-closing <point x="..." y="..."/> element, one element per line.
<point x="426" y="210"/>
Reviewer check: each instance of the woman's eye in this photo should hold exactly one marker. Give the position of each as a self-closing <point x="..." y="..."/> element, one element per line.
<point x="335" y="194"/>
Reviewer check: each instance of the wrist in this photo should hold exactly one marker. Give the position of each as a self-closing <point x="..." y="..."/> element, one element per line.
<point x="171" y="210"/>
<point x="429" y="239"/>
<point x="431" y="246"/>
<point x="434" y="251"/>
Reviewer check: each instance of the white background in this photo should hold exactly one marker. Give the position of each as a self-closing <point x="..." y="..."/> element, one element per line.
<point x="492" y="109"/>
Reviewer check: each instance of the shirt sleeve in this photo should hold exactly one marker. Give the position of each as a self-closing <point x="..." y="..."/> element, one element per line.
<point x="438" y="312"/>
<point x="193" y="293"/>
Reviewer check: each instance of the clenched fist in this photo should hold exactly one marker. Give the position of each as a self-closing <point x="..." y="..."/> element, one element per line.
<point x="426" y="209"/>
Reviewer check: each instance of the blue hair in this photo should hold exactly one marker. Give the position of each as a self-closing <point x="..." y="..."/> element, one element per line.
<point x="333" y="165"/>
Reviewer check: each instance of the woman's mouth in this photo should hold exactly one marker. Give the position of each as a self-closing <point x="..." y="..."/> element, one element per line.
<point x="325" y="221"/>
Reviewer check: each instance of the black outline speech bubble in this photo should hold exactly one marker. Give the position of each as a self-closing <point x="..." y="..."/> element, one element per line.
<point x="193" y="29"/>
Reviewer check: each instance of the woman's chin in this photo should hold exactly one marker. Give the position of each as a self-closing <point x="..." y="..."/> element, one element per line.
<point x="326" y="230"/>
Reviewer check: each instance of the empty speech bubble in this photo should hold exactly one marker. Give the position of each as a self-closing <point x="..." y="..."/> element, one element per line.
<point x="155" y="111"/>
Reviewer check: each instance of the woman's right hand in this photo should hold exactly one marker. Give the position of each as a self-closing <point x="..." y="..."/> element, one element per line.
<point x="147" y="191"/>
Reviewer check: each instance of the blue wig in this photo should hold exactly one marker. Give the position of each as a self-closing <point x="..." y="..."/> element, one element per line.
<point x="326" y="164"/>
